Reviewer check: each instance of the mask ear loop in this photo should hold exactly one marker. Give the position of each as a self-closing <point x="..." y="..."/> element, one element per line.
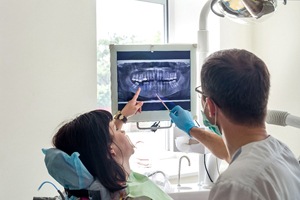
<point x="216" y="113"/>
<point x="204" y="106"/>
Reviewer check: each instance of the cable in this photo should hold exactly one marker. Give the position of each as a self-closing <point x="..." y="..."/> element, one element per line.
<point x="204" y="155"/>
<point x="205" y="162"/>
<point x="207" y="169"/>
<point x="213" y="2"/>
<point x="217" y="164"/>
<point x="60" y="193"/>
<point x="197" y="123"/>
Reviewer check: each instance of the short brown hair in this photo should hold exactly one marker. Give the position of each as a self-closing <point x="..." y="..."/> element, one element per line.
<point x="239" y="83"/>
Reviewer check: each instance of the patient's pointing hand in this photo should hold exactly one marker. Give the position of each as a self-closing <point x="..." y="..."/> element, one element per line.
<point x="133" y="106"/>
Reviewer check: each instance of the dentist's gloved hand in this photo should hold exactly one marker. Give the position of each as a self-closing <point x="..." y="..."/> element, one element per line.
<point x="182" y="118"/>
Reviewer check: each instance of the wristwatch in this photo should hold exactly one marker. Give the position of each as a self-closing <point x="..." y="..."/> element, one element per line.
<point x="120" y="116"/>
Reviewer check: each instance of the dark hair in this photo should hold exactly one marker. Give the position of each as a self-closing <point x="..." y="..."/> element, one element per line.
<point x="89" y="135"/>
<point x="238" y="82"/>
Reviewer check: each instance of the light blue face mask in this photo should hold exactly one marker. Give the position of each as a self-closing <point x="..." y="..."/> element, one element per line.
<point x="213" y="127"/>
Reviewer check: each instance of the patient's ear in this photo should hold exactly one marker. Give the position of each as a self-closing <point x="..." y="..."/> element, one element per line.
<point x="112" y="151"/>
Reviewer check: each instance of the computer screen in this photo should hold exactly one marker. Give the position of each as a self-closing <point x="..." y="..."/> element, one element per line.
<point x="167" y="71"/>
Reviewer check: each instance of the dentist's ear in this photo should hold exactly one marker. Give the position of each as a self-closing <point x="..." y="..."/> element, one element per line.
<point x="211" y="106"/>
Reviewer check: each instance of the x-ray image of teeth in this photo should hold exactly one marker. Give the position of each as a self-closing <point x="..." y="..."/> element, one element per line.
<point x="168" y="79"/>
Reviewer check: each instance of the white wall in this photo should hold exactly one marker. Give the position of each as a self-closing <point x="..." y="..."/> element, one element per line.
<point x="277" y="42"/>
<point x="235" y="35"/>
<point x="184" y="20"/>
<point x="48" y="75"/>
<point x="184" y="23"/>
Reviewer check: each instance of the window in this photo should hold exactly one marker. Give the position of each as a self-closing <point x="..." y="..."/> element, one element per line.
<point x="125" y="22"/>
<point x="130" y="22"/>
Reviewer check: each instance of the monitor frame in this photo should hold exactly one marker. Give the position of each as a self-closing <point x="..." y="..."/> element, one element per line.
<point x="154" y="115"/>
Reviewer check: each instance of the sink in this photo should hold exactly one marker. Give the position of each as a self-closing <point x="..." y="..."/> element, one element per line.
<point x="189" y="192"/>
<point x="186" y="191"/>
<point x="190" y="195"/>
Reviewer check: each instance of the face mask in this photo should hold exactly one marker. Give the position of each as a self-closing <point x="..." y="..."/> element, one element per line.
<point x="213" y="127"/>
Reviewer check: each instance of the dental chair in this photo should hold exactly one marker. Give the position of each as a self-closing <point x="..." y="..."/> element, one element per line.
<point x="70" y="172"/>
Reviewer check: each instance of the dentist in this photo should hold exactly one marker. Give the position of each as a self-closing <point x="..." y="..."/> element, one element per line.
<point x="235" y="88"/>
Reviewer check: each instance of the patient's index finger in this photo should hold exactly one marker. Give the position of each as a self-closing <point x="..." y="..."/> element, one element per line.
<point x="136" y="95"/>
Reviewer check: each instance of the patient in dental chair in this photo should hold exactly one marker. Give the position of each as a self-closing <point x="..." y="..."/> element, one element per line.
<point x="91" y="158"/>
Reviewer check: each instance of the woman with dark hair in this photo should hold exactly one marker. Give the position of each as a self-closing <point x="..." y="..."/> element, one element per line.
<point x="104" y="152"/>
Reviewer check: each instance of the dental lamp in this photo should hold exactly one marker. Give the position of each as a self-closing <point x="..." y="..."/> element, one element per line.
<point x="244" y="8"/>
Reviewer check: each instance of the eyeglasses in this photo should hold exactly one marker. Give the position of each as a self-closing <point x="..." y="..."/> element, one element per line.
<point x="200" y="92"/>
<point x="202" y="95"/>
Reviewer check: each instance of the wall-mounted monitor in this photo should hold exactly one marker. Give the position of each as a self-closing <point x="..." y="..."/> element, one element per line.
<point x="166" y="70"/>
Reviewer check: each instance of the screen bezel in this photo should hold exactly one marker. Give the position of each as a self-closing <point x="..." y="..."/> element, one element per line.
<point x="161" y="115"/>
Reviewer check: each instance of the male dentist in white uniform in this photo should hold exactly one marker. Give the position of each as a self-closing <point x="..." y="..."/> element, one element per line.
<point x="235" y="88"/>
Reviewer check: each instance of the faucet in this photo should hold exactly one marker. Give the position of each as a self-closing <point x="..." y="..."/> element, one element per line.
<point x="164" y="183"/>
<point x="156" y="172"/>
<point x="179" y="168"/>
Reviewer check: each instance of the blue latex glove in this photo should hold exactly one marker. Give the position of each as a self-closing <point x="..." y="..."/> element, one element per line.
<point x="182" y="118"/>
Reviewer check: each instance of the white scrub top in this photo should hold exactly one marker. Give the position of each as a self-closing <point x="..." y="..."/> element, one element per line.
<point x="264" y="170"/>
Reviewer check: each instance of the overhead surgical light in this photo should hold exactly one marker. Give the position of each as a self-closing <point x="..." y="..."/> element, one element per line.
<point x="244" y="9"/>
